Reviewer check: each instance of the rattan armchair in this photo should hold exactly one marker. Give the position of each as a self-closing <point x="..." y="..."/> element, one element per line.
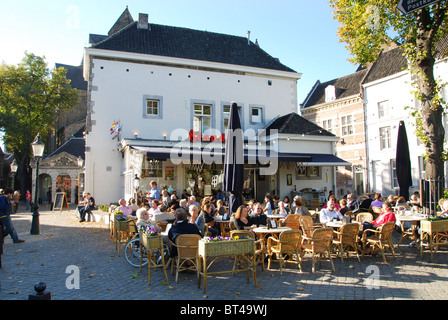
<point x="293" y="221"/>
<point x="363" y="217"/>
<point x="259" y="245"/>
<point x="319" y="245"/>
<point x="380" y="240"/>
<point x="288" y="243"/>
<point x="187" y="254"/>
<point x="347" y="238"/>
<point x="377" y="211"/>
<point x="308" y="226"/>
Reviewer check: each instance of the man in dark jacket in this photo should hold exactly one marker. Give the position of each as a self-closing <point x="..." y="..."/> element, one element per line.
<point x="181" y="226"/>
<point x="5" y="219"/>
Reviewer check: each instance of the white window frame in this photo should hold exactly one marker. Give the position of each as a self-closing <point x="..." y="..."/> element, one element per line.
<point x="393" y="174"/>
<point x="383" y="109"/>
<point x="202" y="116"/>
<point x="385" y="141"/>
<point x="346" y="125"/>
<point x="260" y="117"/>
<point x="328" y="125"/>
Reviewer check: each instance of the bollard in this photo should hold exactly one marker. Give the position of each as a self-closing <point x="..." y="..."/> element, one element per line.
<point x="41" y="294"/>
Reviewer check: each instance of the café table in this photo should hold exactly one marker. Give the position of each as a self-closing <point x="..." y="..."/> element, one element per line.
<point x="263" y="232"/>
<point x="276" y="217"/>
<point x="224" y="226"/>
<point x="414" y="219"/>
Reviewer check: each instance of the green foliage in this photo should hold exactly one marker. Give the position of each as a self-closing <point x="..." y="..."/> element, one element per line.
<point x="369" y="25"/>
<point x="30" y="96"/>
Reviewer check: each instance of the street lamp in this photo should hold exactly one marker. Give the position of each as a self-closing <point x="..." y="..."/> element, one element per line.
<point x="38" y="150"/>
<point x="136" y="186"/>
<point x="14" y="168"/>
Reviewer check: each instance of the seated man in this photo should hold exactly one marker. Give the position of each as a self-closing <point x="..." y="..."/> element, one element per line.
<point x="181" y="226"/>
<point x="329" y="213"/>
<point x="89" y="205"/>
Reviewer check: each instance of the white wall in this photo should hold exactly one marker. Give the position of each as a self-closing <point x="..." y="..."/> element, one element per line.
<point x="118" y="90"/>
<point x="397" y="90"/>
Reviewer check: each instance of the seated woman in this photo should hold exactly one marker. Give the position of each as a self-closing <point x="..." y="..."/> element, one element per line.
<point x="197" y="219"/>
<point x="386" y="216"/>
<point x="220" y="207"/>
<point x="282" y="209"/>
<point x="242" y="220"/>
<point x="209" y="216"/>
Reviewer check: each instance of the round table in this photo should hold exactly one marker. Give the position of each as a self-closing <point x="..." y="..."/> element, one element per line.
<point x="262" y="232"/>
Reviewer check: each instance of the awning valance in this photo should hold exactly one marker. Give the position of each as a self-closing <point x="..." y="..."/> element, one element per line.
<point x="307" y="159"/>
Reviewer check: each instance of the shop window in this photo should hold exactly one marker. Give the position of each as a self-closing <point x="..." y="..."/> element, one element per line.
<point x="152" y="168"/>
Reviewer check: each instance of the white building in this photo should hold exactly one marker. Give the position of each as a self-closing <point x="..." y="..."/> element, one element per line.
<point x="158" y="83"/>
<point x="387" y="93"/>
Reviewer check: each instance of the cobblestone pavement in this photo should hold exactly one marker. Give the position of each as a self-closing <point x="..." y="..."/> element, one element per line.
<point x="65" y="245"/>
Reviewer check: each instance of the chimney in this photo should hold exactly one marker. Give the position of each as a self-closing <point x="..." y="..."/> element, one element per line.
<point x="143" y="21"/>
<point x="248" y="38"/>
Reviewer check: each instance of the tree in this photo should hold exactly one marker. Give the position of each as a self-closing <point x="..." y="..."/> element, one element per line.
<point x="368" y="25"/>
<point x="30" y="96"/>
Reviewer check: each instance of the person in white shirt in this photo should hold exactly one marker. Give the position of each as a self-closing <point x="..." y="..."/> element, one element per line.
<point x="329" y="213"/>
<point x="154" y="210"/>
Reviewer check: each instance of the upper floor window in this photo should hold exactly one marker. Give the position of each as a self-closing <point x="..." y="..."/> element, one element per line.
<point x="256" y="115"/>
<point x="202" y="117"/>
<point x="383" y="109"/>
<point x="226" y="115"/>
<point x="346" y="125"/>
<point x="385" y="138"/>
<point x="328" y="125"/>
<point x="152" y="107"/>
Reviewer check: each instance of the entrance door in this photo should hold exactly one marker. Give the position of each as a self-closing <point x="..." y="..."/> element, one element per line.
<point x="64" y="184"/>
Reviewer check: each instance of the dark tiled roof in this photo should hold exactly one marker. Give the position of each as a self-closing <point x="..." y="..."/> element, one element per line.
<point x="345" y="87"/>
<point x="124" y="20"/>
<point x="75" y="75"/>
<point x="190" y="44"/>
<point x="74" y="146"/>
<point x="388" y="63"/>
<point x="292" y="123"/>
<point x="95" y="38"/>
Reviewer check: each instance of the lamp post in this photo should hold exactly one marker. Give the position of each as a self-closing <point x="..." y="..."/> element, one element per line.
<point x="136" y="186"/>
<point x="14" y="168"/>
<point x="38" y="150"/>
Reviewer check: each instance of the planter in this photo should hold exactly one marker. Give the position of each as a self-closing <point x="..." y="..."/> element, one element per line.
<point x="151" y="242"/>
<point x="434" y="226"/>
<point x="121" y="225"/>
<point x="226" y="247"/>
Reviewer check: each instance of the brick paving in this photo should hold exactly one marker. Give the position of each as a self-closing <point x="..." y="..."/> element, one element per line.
<point x="65" y="242"/>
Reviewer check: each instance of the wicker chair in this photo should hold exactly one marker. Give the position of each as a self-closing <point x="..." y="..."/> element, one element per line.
<point x="289" y="243"/>
<point x="259" y="245"/>
<point x="187" y="254"/>
<point x="308" y="226"/>
<point x="319" y="245"/>
<point x="363" y="217"/>
<point x="346" y="238"/>
<point x="377" y="211"/>
<point x="381" y="239"/>
<point x="293" y="221"/>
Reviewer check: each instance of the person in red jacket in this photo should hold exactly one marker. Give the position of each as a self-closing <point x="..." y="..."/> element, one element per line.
<point x="386" y="216"/>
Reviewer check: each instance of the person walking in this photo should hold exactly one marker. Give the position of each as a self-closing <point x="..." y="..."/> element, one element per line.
<point x="5" y="218"/>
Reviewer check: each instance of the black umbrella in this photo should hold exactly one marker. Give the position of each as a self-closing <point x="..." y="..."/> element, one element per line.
<point x="403" y="162"/>
<point x="234" y="160"/>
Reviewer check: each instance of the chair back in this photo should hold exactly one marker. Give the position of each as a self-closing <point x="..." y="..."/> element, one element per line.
<point x="322" y="239"/>
<point x="293" y="221"/>
<point x="386" y="231"/>
<point x="306" y="223"/>
<point x="290" y="240"/>
<point x="349" y="214"/>
<point x="377" y="210"/>
<point x="364" y="216"/>
<point x="187" y="245"/>
<point x="349" y="233"/>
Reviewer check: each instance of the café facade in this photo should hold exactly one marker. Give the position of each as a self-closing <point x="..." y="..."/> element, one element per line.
<point x="158" y="107"/>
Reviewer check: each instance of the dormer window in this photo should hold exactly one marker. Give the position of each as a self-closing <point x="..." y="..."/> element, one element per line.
<point x="330" y="93"/>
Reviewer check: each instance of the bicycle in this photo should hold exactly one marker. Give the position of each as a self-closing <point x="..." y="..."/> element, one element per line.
<point x="132" y="251"/>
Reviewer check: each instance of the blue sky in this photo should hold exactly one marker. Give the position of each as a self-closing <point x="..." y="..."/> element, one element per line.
<point x="302" y="34"/>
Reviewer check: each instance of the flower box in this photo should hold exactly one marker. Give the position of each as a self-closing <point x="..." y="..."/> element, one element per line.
<point x="226" y="247"/>
<point x="151" y="242"/>
<point x="434" y="226"/>
<point x="121" y="225"/>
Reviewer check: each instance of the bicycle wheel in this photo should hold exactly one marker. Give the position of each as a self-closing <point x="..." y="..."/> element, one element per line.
<point x="132" y="253"/>
<point x="166" y="256"/>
